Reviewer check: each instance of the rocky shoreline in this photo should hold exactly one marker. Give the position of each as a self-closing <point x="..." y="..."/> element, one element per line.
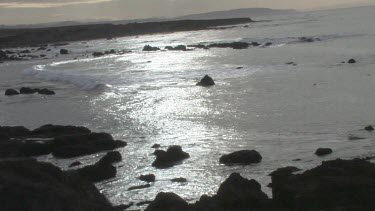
<point x="25" y="183"/>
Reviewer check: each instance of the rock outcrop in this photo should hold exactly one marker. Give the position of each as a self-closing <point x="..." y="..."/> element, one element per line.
<point x="242" y="157"/>
<point x="173" y="156"/>
<point x="206" y="81"/>
<point x="323" y="151"/>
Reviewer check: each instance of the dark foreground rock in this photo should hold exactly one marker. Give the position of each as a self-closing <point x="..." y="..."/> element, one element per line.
<point x="243" y="157"/>
<point x="206" y="81"/>
<point x="167" y="201"/>
<point x="173" y="156"/>
<point x="36" y="186"/>
<point x="147" y="178"/>
<point x="323" y="151"/>
<point x="16" y="142"/>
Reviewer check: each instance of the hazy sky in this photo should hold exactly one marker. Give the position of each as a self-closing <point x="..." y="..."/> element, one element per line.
<point x="40" y="11"/>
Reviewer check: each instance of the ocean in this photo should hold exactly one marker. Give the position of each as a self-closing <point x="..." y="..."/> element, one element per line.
<point x="283" y="111"/>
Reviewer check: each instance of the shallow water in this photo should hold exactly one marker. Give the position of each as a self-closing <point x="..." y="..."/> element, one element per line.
<point x="283" y="111"/>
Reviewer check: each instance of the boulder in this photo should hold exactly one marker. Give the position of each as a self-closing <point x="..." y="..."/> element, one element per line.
<point x="11" y="92"/>
<point x="169" y="158"/>
<point x="243" y="157"/>
<point x="111" y="157"/>
<point x="155" y="146"/>
<point x="255" y="44"/>
<point x="98" y="172"/>
<point x="64" y="51"/>
<point x="167" y="201"/>
<point x="198" y="46"/>
<point x="147" y="178"/>
<point x="180" y="48"/>
<point x="352" y="61"/>
<point x="35" y="186"/>
<point x="150" y="48"/>
<point x="206" y="81"/>
<point x="97" y="54"/>
<point x="28" y="90"/>
<point x="46" y="92"/>
<point x="49" y="130"/>
<point x="369" y="128"/>
<point x="323" y="151"/>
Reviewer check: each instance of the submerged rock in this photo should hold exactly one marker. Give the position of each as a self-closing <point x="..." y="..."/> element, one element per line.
<point x="139" y="187"/>
<point x="243" y="157"/>
<point x="234" y="45"/>
<point x="206" y="81"/>
<point x="181" y="179"/>
<point x="46" y="92"/>
<point x="323" y="151"/>
<point x="352" y="61"/>
<point x="97" y="54"/>
<point x="11" y="92"/>
<point x="169" y="158"/>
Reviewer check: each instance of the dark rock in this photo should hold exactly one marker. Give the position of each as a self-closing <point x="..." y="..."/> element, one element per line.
<point x="100" y="171"/>
<point x="143" y="203"/>
<point x="13" y="132"/>
<point x="27" y="90"/>
<point x="323" y="151"/>
<point x="11" y="92"/>
<point x="147" y="178"/>
<point x="97" y="54"/>
<point x="169" y="158"/>
<point x="334" y="185"/>
<point x="74" y="164"/>
<point x="42" y="55"/>
<point x="168" y="48"/>
<point x="150" y="48"/>
<point x="206" y="81"/>
<point x="36" y="186"/>
<point x="285" y="171"/>
<point x="155" y="146"/>
<point x="139" y="187"/>
<point x="198" y="46"/>
<point x="42" y="48"/>
<point x="123" y="206"/>
<point x="234" y="45"/>
<point x="369" y="128"/>
<point x="112" y="51"/>
<point x="352" y="61"/>
<point x="268" y="44"/>
<point x="58" y="130"/>
<point x="64" y="51"/>
<point x="354" y="138"/>
<point x="25" y="51"/>
<point x="243" y="157"/>
<point x="255" y="44"/>
<point x="46" y="92"/>
<point x="239" y="68"/>
<point x="83" y="144"/>
<point x="111" y="157"/>
<point x="179" y="179"/>
<point x="167" y="202"/>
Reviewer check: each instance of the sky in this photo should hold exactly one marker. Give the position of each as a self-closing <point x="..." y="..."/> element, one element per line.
<point x="43" y="11"/>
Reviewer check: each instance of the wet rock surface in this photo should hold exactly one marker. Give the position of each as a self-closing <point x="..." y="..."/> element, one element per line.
<point x="206" y="81"/>
<point x="173" y="156"/>
<point x="242" y="157"/>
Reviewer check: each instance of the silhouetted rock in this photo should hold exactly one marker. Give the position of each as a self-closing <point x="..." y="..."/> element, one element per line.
<point x="352" y="61"/>
<point x="180" y="48"/>
<point x="155" y="146"/>
<point x="179" y="180"/>
<point x="111" y="157"/>
<point x="169" y="158"/>
<point x="28" y="90"/>
<point x="323" y="151"/>
<point x="11" y="92"/>
<point x="255" y="44"/>
<point x="150" y="48"/>
<point x="198" y="46"/>
<point x="83" y="144"/>
<point x="206" y="81"/>
<point x="147" y="178"/>
<point x="74" y="164"/>
<point x="46" y="92"/>
<point x="64" y="51"/>
<point x="234" y="45"/>
<point x="243" y="157"/>
<point x="112" y="51"/>
<point x="97" y="54"/>
<point x="369" y="128"/>
<point x="25" y="51"/>
<point x="36" y="186"/>
<point x="100" y="171"/>
<point x="139" y="187"/>
<point x="167" y="201"/>
<point x="58" y="130"/>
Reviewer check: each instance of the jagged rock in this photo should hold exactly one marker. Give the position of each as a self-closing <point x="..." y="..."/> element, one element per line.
<point x="64" y="51"/>
<point x="169" y="158"/>
<point x="58" y="130"/>
<point x="243" y="157"/>
<point x="179" y="180"/>
<point x="83" y="144"/>
<point x="369" y="128"/>
<point x="36" y="186"/>
<point x="11" y="92"/>
<point x="74" y="164"/>
<point x="206" y="81"/>
<point x="150" y="48"/>
<point x="352" y="61"/>
<point x="147" y="178"/>
<point x="139" y="187"/>
<point x="334" y="185"/>
<point x="28" y="90"/>
<point x="323" y="151"/>
<point x="46" y="92"/>
<point x="167" y="201"/>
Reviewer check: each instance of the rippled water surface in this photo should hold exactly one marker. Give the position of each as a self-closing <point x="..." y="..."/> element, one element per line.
<point x="283" y="111"/>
